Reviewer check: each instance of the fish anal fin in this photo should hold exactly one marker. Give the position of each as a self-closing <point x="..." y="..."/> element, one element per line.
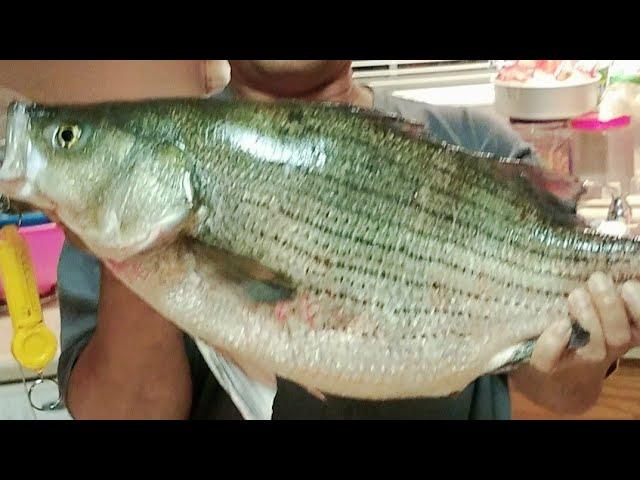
<point x="455" y="394"/>
<point x="316" y="393"/>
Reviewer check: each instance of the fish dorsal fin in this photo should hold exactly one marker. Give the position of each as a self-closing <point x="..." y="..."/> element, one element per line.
<point x="392" y="121"/>
<point x="410" y="129"/>
<point x="554" y="195"/>
<point x="562" y="190"/>
<point x="557" y="194"/>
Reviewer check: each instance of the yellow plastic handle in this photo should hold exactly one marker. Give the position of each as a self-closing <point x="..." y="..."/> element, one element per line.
<point x="33" y="344"/>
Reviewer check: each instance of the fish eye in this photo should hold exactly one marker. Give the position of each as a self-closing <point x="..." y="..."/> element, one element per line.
<point x="66" y="136"/>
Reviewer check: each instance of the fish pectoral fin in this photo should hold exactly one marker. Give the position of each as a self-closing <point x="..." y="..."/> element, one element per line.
<point x="514" y="357"/>
<point x="261" y="284"/>
<point x="251" y="388"/>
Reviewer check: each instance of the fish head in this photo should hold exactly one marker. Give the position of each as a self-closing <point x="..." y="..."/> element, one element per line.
<point x="117" y="190"/>
<point x="58" y="158"/>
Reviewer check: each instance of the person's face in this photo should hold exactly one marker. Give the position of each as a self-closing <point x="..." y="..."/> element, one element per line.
<point x="288" y="75"/>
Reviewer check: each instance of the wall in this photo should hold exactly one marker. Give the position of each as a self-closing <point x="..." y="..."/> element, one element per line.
<point x="89" y="81"/>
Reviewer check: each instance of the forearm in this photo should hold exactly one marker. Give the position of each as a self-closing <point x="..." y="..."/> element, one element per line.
<point x="557" y="392"/>
<point x="135" y="365"/>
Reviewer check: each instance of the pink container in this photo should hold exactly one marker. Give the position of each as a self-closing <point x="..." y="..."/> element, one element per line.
<point x="45" y="245"/>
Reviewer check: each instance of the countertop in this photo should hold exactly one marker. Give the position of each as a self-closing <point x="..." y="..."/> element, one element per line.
<point x="474" y="95"/>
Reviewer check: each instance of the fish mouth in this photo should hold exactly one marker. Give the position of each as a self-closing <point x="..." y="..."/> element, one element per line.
<point x="20" y="163"/>
<point x="15" y="143"/>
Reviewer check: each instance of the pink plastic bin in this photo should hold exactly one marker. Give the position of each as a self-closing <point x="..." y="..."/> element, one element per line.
<point x="45" y="245"/>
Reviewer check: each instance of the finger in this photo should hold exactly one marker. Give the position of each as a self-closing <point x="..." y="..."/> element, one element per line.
<point x="216" y="75"/>
<point x="630" y="292"/>
<point x="611" y="310"/>
<point x="582" y="309"/>
<point x="551" y="345"/>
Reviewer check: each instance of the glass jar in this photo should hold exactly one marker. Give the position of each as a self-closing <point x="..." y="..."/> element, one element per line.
<point x="622" y="97"/>
<point x="551" y="141"/>
<point x="602" y="151"/>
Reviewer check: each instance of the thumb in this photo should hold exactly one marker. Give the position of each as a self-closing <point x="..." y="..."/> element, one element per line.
<point x="216" y="75"/>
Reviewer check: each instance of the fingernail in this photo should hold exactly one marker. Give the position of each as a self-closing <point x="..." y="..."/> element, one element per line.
<point x="630" y="289"/>
<point x="563" y="328"/>
<point x="599" y="282"/>
<point x="580" y="299"/>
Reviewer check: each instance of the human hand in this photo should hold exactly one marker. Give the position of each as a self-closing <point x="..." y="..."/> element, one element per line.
<point x="572" y="381"/>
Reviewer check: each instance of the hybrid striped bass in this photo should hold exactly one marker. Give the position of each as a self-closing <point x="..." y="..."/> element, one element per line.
<point x="339" y="248"/>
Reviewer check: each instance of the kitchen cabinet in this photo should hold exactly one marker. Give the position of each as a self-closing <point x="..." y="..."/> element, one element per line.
<point x="396" y="75"/>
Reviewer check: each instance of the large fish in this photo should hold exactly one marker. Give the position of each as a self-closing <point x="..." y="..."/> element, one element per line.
<point x="338" y="248"/>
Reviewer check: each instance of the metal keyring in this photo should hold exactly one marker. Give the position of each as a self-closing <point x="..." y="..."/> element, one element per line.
<point x="48" y="407"/>
<point x="5" y="203"/>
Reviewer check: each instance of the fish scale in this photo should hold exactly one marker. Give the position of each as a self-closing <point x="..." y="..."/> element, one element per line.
<point x="439" y="205"/>
<point x="269" y="183"/>
<point x="375" y="273"/>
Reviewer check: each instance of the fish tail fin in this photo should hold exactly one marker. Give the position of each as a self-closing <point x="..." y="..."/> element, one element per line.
<point x="579" y="337"/>
<point x="514" y="357"/>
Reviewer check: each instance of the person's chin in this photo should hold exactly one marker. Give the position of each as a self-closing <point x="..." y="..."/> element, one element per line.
<point x="291" y="66"/>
